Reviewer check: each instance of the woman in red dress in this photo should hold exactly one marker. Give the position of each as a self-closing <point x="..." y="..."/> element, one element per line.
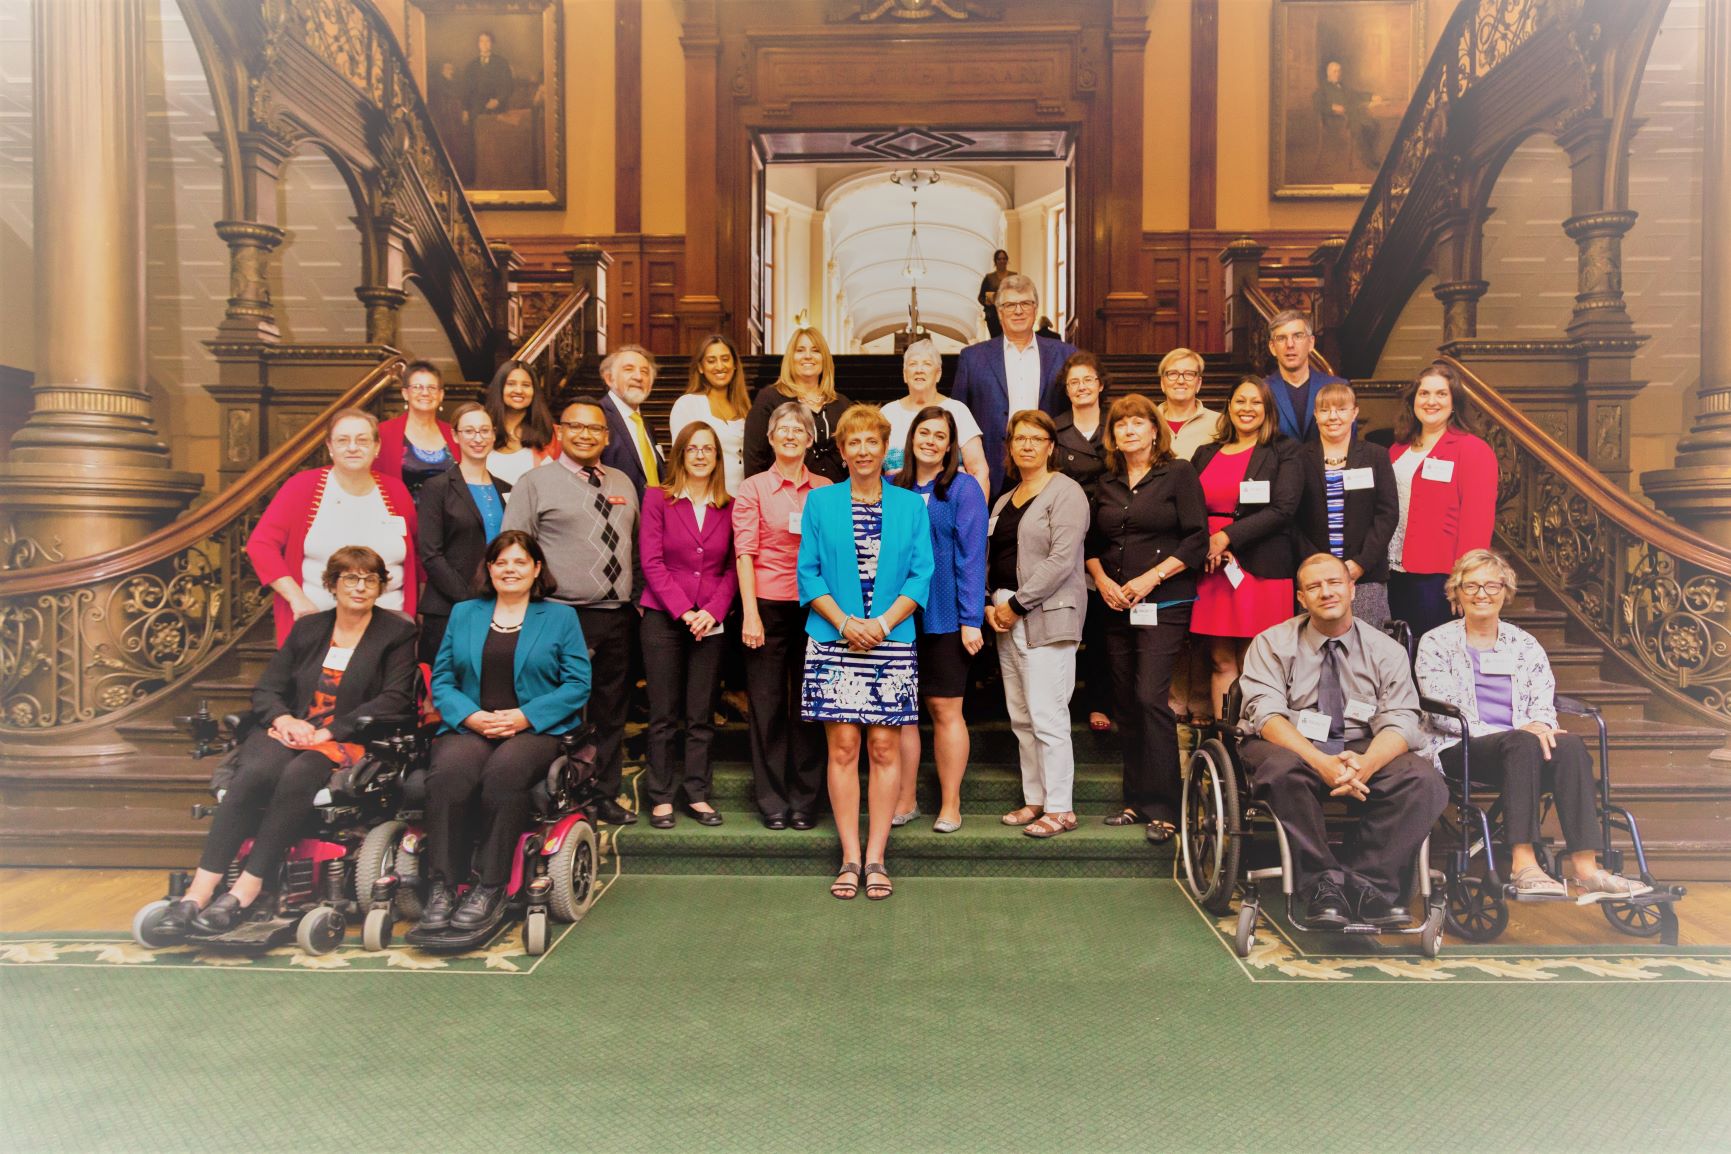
<point x="1251" y="483"/>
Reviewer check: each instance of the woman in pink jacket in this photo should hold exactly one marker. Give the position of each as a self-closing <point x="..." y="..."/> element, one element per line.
<point x="686" y="545"/>
<point x="318" y="511"/>
<point x="1447" y="481"/>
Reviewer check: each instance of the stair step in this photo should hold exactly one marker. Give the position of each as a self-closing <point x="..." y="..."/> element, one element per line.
<point x="1619" y="701"/>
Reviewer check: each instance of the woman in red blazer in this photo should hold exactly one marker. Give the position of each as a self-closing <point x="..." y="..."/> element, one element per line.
<point x="318" y="511"/>
<point x="415" y="445"/>
<point x="686" y="546"/>
<point x="1447" y="481"/>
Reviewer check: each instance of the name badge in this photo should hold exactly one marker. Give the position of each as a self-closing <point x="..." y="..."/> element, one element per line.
<point x="1314" y="725"/>
<point x="992" y="525"/>
<point x="1497" y="664"/>
<point x="793" y="523"/>
<point x="1358" y="479"/>
<point x="1253" y="492"/>
<point x="1435" y="470"/>
<point x="714" y="631"/>
<point x="1234" y="574"/>
<point x="1144" y="613"/>
<point x="1359" y="711"/>
<point x="612" y="500"/>
<point x="928" y="499"/>
<point x="396" y="525"/>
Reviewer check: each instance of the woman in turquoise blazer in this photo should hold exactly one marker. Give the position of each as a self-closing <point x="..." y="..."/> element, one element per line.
<point x="511" y="676"/>
<point x="865" y="565"/>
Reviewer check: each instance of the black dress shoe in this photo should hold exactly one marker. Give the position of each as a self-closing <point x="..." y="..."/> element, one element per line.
<point x="219" y="917"/>
<point x="1372" y="908"/>
<point x="802" y="820"/>
<point x="479" y="907"/>
<point x="441" y="901"/>
<point x="1328" y="907"/>
<point x="774" y="821"/>
<point x="661" y="820"/>
<point x="176" y="919"/>
<point x="703" y="816"/>
<point x="611" y="812"/>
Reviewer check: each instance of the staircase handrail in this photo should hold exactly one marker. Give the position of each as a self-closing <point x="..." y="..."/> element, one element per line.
<point x="1654" y="592"/>
<point x="558" y="322"/>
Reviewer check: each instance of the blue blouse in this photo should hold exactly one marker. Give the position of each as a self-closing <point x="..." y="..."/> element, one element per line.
<point x="492" y="508"/>
<point x="958" y="594"/>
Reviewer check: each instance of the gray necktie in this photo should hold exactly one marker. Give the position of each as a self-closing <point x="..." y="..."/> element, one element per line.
<point x="1330" y="698"/>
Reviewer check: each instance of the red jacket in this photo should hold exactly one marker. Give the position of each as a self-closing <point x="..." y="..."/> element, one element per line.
<point x="1446" y="519"/>
<point x="392" y="439"/>
<point x="277" y="545"/>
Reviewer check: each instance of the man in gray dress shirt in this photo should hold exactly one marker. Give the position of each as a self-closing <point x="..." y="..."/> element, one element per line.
<point x="1332" y="707"/>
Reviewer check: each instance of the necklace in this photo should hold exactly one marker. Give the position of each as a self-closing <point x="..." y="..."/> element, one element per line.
<point x="1334" y="462"/>
<point x="499" y="627"/>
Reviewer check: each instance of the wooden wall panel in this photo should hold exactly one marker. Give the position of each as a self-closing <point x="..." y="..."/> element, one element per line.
<point x="1185" y="280"/>
<point x="646" y="279"/>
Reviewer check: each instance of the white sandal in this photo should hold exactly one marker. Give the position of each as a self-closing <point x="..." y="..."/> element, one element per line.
<point x="1604" y="886"/>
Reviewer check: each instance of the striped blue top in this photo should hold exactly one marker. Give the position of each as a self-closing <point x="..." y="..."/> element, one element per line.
<point x="958" y="595"/>
<point x="1336" y="481"/>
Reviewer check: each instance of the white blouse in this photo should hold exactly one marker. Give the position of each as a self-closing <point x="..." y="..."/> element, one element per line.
<point x="510" y="467"/>
<point x="345" y="519"/>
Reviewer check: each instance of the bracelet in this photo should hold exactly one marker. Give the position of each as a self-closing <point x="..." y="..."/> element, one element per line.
<point x="884" y="624"/>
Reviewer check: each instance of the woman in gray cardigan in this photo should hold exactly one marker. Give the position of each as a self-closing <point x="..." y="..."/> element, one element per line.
<point x="1038" y="601"/>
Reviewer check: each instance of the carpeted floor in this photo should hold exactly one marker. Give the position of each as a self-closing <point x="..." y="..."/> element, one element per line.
<point x="756" y="1014"/>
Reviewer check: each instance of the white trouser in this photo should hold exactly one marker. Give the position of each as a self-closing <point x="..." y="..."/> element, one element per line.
<point x="1038" y="682"/>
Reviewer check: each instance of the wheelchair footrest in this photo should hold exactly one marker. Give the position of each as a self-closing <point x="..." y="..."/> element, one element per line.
<point x="254" y="933"/>
<point x="1511" y="894"/>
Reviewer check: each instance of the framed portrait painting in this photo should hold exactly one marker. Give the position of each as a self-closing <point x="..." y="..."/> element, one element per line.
<point x="1342" y="75"/>
<point x="493" y="74"/>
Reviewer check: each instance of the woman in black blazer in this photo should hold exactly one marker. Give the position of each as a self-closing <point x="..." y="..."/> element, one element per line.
<point x="461" y="512"/>
<point x="1349" y="506"/>
<point x="1251" y="483"/>
<point x="344" y="663"/>
<point x="1081" y="456"/>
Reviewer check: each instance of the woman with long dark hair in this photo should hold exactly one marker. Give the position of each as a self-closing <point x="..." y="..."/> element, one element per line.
<point x="522" y="422"/>
<point x="716" y="395"/>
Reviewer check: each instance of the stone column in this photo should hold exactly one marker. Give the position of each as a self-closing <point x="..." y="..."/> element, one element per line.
<point x="252" y="238"/>
<point x="384" y="263"/>
<point x="87" y="472"/>
<point x="1698" y="490"/>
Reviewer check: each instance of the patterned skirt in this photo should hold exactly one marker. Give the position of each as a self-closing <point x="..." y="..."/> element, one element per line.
<point x="881" y="687"/>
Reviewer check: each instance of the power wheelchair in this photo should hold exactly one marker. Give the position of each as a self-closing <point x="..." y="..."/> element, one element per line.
<point x="313" y="893"/>
<point x="1222" y="854"/>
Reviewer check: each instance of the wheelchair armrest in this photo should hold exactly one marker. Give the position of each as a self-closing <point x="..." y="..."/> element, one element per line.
<point x="573" y="771"/>
<point x="1443" y="709"/>
<point x="1563" y="703"/>
<point x="1233" y="707"/>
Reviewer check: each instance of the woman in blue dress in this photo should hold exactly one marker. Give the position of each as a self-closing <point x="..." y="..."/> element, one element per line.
<point x="865" y="566"/>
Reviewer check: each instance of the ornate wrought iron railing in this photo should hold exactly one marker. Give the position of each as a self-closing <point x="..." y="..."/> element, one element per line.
<point x="96" y="639"/>
<point x="1652" y="591"/>
<point x="556" y="346"/>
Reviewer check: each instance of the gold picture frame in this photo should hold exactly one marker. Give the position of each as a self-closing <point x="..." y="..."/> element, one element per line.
<point x="1341" y="75"/>
<point x="499" y="108"/>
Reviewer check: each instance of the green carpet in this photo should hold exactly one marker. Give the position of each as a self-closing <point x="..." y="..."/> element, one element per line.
<point x="757" y="1014"/>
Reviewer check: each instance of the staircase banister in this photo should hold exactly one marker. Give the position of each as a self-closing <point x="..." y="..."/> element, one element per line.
<point x="1606" y="497"/>
<point x="262" y="478"/>
<point x="543" y="337"/>
<point x="1265" y="308"/>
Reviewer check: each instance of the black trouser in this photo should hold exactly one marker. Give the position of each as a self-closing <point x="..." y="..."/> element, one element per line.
<point x="502" y="773"/>
<point x="1093" y="666"/>
<point x="1406" y="797"/>
<point x="433" y="626"/>
<point x="1142" y="657"/>
<point x="611" y="637"/>
<point x="787" y="752"/>
<point x="1418" y="600"/>
<point x="683" y="675"/>
<point x="1514" y="759"/>
<point x="272" y="794"/>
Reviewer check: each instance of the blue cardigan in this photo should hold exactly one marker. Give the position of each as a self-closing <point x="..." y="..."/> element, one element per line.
<point x="958" y="594"/>
<point x="829" y="565"/>
<point x="552" y="666"/>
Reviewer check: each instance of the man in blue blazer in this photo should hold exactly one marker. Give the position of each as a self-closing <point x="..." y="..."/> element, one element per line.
<point x="629" y="372"/>
<point x="1295" y="382"/>
<point x="1007" y="374"/>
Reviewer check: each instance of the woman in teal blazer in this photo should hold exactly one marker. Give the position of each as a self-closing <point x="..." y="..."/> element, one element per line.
<point x="511" y="676"/>
<point x="865" y="565"/>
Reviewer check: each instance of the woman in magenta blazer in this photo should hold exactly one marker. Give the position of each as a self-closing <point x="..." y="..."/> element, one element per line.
<point x="686" y="546"/>
<point x="414" y="445"/>
<point x="1447" y="481"/>
<point x="318" y="511"/>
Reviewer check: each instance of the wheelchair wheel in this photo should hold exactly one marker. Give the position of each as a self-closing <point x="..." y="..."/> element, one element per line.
<point x="573" y="872"/>
<point x="321" y="930"/>
<point x="1430" y="937"/>
<point x="1245" y="936"/>
<point x="1474" y="913"/>
<point x="377" y="857"/>
<point x="535" y="933"/>
<point x="1208" y="837"/>
<point x="145" y="922"/>
<point x="377" y="930"/>
<point x="1637" y="921"/>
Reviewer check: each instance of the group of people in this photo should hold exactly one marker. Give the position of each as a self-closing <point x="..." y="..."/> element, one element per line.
<point x="847" y="562"/>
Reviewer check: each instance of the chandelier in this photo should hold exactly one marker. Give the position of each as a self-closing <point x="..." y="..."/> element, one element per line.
<point x="914" y="266"/>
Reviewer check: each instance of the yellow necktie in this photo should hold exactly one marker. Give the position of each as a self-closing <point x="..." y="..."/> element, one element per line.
<point x="652" y="475"/>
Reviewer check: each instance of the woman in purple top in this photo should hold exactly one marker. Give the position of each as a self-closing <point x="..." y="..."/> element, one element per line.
<point x="1498" y="675"/>
<point x="686" y="544"/>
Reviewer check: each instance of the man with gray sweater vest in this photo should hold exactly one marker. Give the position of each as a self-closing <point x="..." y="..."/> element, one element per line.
<point x="584" y="516"/>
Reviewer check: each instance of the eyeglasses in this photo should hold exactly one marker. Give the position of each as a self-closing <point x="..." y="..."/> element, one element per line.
<point x="1334" y="411"/>
<point x="1084" y="380"/>
<point x="1030" y="439"/>
<point x="1015" y="306"/>
<point x="359" y="581"/>
<point x="1188" y="376"/>
<point x="1488" y="588"/>
<point x="362" y="442"/>
<point x="1290" y="339"/>
<point x="700" y="450"/>
<point x="423" y="387"/>
<point x="476" y="434"/>
<point x="580" y="427"/>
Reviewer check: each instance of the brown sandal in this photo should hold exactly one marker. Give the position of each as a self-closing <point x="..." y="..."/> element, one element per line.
<point x="846" y="891"/>
<point x="1051" y="825"/>
<point x="1125" y="816"/>
<point x="1022" y="816"/>
<point x="878" y="891"/>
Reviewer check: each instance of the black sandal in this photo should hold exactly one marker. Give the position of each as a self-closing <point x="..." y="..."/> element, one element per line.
<point x="1125" y="816"/>
<point x="1160" y="831"/>
<point x="846" y="891"/>
<point x="878" y="891"/>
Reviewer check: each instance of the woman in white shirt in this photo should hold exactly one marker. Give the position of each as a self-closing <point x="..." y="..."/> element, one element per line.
<point x="921" y="368"/>
<point x="522" y="422"/>
<point x="716" y="395"/>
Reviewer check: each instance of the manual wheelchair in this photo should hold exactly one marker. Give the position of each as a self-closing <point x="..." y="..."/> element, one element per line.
<point x="314" y="891"/>
<point x="1224" y="848"/>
